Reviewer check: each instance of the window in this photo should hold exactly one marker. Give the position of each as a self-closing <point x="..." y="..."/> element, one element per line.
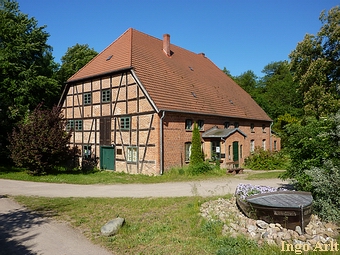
<point x="252" y="146"/>
<point x="229" y="152"/>
<point x="188" y="124"/>
<point x="87" y="98"/>
<point x="264" y="144"/>
<point x="125" y="123"/>
<point x="200" y="124"/>
<point x="236" y="124"/>
<point x="226" y="124"/>
<point x="132" y="154"/>
<point x="70" y="125"/>
<point x="263" y="128"/>
<point x="78" y="125"/>
<point x="241" y="152"/>
<point x="252" y="127"/>
<point x="106" y="96"/>
<point x="87" y="151"/>
<point x="187" y="151"/>
<point x="215" y="150"/>
<point x="275" y="146"/>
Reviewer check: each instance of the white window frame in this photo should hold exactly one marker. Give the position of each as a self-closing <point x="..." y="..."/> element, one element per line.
<point x="132" y="154"/>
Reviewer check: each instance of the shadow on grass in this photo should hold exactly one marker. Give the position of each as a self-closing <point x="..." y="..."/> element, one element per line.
<point x="14" y="229"/>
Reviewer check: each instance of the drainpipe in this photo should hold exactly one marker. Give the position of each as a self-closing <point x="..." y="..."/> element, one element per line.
<point x="161" y="144"/>
<point x="270" y="137"/>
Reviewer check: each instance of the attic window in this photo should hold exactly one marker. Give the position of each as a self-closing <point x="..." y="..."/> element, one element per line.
<point x="192" y="69"/>
<point x="109" y="57"/>
<point x="193" y="93"/>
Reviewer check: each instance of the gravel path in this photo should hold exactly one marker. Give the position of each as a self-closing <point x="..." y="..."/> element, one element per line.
<point x="23" y="232"/>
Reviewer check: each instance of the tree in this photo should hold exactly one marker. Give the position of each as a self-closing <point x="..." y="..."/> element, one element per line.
<point x="40" y="143"/>
<point x="196" y="156"/>
<point x="73" y="60"/>
<point x="26" y="68"/>
<point x="310" y="143"/>
<point x="316" y="66"/>
<point x="280" y="91"/>
<point x="247" y="81"/>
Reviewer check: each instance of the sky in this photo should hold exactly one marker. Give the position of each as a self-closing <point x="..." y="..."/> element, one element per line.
<point x="239" y="35"/>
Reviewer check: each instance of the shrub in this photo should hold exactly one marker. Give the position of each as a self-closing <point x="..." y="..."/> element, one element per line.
<point x="266" y="160"/>
<point x="40" y="143"/>
<point x="200" y="168"/>
<point x="326" y="190"/>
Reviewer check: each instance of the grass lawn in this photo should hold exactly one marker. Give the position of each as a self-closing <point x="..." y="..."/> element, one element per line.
<point x="111" y="177"/>
<point x="153" y="226"/>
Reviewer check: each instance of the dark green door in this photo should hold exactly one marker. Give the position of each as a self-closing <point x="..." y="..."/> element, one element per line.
<point x="235" y="153"/>
<point x="107" y="158"/>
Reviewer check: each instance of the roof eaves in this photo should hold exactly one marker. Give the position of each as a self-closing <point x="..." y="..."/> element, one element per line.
<point x="212" y="114"/>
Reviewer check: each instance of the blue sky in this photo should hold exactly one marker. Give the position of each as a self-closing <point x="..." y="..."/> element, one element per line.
<point x="240" y="35"/>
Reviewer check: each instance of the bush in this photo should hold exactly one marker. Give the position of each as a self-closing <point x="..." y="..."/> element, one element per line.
<point x="40" y="143"/>
<point x="266" y="160"/>
<point x="326" y="190"/>
<point x="200" y="168"/>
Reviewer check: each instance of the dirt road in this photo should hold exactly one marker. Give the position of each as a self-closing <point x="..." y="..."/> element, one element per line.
<point x="26" y="233"/>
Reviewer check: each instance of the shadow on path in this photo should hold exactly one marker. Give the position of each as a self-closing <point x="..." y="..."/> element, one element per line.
<point x="14" y="225"/>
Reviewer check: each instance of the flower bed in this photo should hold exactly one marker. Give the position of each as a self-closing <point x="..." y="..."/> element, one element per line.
<point x="245" y="190"/>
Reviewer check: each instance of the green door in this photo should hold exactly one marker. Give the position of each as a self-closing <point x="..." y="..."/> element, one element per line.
<point x="235" y="153"/>
<point x="107" y="157"/>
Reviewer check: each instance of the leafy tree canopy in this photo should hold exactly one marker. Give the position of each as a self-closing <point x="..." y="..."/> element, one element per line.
<point x="316" y="66"/>
<point x="73" y="60"/>
<point x="26" y="67"/>
<point x="280" y="91"/>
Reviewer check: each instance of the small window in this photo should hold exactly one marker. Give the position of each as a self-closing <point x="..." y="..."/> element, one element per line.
<point x="241" y="151"/>
<point x="252" y="146"/>
<point x="215" y="150"/>
<point x="106" y="96"/>
<point x="263" y="128"/>
<point x="70" y="125"/>
<point x="264" y="144"/>
<point x="200" y="124"/>
<point x="252" y="127"/>
<point x="87" y="151"/>
<point x="188" y="124"/>
<point x="125" y="123"/>
<point x="119" y="151"/>
<point x="275" y="146"/>
<point x="78" y="125"/>
<point x="132" y="154"/>
<point x="236" y="124"/>
<point x="226" y="124"/>
<point x="187" y="151"/>
<point x="87" y="98"/>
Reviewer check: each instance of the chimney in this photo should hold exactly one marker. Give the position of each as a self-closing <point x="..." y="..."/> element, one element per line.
<point x="166" y="44"/>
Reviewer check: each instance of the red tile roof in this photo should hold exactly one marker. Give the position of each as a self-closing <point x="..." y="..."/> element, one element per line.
<point x="185" y="81"/>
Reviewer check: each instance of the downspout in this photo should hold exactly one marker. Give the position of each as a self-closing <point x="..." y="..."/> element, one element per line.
<point x="161" y="161"/>
<point x="270" y="137"/>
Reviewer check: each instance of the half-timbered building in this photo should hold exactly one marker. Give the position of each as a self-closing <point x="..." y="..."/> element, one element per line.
<point x="134" y="105"/>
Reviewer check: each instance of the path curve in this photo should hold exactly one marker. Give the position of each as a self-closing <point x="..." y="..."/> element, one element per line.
<point x="170" y="189"/>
